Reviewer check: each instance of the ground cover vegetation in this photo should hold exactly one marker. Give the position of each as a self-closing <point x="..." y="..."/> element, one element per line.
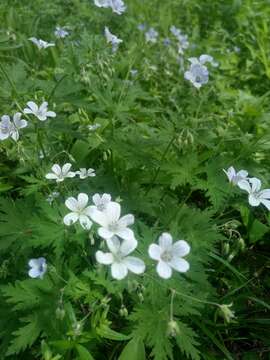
<point x="134" y="179"/>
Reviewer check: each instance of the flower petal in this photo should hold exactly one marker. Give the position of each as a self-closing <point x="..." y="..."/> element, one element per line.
<point x="126" y="234"/>
<point x="50" y="114"/>
<point x="82" y="200"/>
<point x="255" y="184"/>
<point x="265" y="194"/>
<point x="154" y="251"/>
<point x="126" y="220"/>
<point x="165" y="241"/>
<point x="105" y="233"/>
<point x="56" y="169"/>
<point x="99" y="217"/>
<point x="244" y="185"/>
<point x="127" y="246"/>
<point x="70" y="218"/>
<point x="164" y="270"/>
<point x="266" y="203"/>
<point x="253" y="201"/>
<point x="34" y="273"/>
<point x="119" y="271"/>
<point x="112" y="211"/>
<point x="113" y="244"/>
<point x="180" y="248"/>
<point x="134" y="264"/>
<point x="179" y="264"/>
<point x="85" y="222"/>
<point x="72" y="204"/>
<point x="33" y="106"/>
<point x="66" y="167"/>
<point x="51" y="176"/>
<point x="104" y="258"/>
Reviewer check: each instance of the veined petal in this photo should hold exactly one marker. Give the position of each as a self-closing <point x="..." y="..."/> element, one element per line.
<point x="72" y="204"/>
<point x="244" y="185"/>
<point x="33" y="106"/>
<point x="113" y="244"/>
<point x="82" y="200"/>
<point x="154" y="251"/>
<point x="99" y="217"/>
<point x="126" y="234"/>
<point x="70" y="218"/>
<point x="43" y="107"/>
<point x="164" y="270"/>
<point x="56" y="169"/>
<point x="104" y="258"/>
<point x="106" y="198"/>
<point x="165" y="241"/>
<point x="242" y="173"/>
<point x="70" y="174"/>
<point x="105" y="233"/>
<point x="265" y="194"/>
<point x="34" y="263"/>
<point x="112" y="211"/>
<point x="34" y="273"/>
<point x="119" y="271"/>
<point x="85" y="222"/>
<point x="134" y="264"/>
<point x="50" y="114"/>
<point x="127" y="246"/>
<point x="88" y="210"/>
<point x="51" y="176"/>
<point x="266" y="203"/>
<point x="255" y="184"/>
<point x="179" y="264"/>
<point x="180" y="248"/>
<point x="96" y="199"/>
<point x="126" y="220"/>
<point x="66" y="167"/>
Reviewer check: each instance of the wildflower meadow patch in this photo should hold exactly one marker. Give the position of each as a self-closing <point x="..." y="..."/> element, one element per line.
<point x="135" y="179"/>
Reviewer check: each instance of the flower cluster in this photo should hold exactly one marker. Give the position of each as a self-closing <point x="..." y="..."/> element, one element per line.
<point x="117" y="6"/>
<point x="10" y="128"/>
<point x="182" y="39"/>
<point x="252" y="186"/>
<point x="60" y="173"/>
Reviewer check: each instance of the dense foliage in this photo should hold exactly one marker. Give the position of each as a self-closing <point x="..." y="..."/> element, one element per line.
<point x="158" y="146"/>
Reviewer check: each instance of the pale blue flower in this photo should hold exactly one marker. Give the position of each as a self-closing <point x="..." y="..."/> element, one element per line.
<point x="60" y="32"/>
<point x="112" y="39"/>
<point x="151" y="35"/>
<point x="38" y="267"/>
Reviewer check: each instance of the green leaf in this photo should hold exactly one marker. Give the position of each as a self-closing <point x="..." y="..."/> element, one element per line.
<point x="257" y="231"/>
<point x="134" y="350"/>
<point x="107" y="333"/>
<point x="83" y="353"/>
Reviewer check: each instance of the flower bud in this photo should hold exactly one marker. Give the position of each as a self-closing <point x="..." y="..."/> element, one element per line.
<point x="226" y="312"/>
<point x="60" y="313"/>
<point x="173" y="328"/>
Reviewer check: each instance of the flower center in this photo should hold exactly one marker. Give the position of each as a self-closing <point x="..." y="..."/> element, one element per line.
<point x="113" y="227"/>
<point x="101" y="207"/>
<point x="166" y="256"/>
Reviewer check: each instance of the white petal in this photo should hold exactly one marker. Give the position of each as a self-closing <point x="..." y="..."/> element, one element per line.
<point x="70" y="218"/>
<point x="265" y="194"/>
<point x="34" y="273"/>
<point x="154" y="251"/>
<point x="15" y="135"/>
<point x="112" y="211"/>
<point x="34" y="263"/>
<point x="180" y="248"/>
<point x="72" y="204"/>
<point x="134" y="264"/>
<point x="96" y="199"/>
<point x="66" y="168"/>
<point x="244" y="185"/>
<point x="51" y="176"/>
<point x="70" y="174"/>
<point x="266" y="203"/>
<point x="82" y="200"/>
<point x="179" y="264"/>
<point x="255" y="184"/>
<point x="253" y="201"/>
<point x="113" y="244"/>
<point x="126" y="234"/>
<point x="85" y="222"/>
<point x="56" y="169"/>
<point x="106" y="198"/>
<point x="88" y="211"/>
<point x="205" y="58"/>
<point x="104" y="258"/>
<point x="105" y="233"/>
<point x="50" y="114"/>
<point x="99" y="217"/>
<point x="27" y="111"/>
<point x="43" y="107"/>
<point x="164" y="270"/>
<point x="119" y="271"/>
<point x="33" y="106"/>
<point x="165" y="241"/>
<point x="126" y="220"/>
<point x="242" y="173"/>
<point x="127" y="246"/>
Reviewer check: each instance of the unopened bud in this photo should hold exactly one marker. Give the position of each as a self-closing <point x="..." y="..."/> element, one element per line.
<point x="173" y="328"/>
<point x="60" y="313"/>
<point x="226" y="312"/>
<point x="123" y="311"/>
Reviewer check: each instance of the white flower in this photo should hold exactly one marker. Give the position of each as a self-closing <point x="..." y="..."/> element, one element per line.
<point x="233" y="176"/>
<point x="79" y="211"/>
<point x="84" y="173"/>
<point x="169" y="255"/>
<point x="40" y="112"/>
<point x="41" y="44"/>
<point x="151" y="35"/>
<point x="10" y="128"/>
<point x="60" y="32"/>
<point x="175" y="31"/>
<point x="197" y="74"/>
<point x="119" y="258"/>
<point x="94" y="127"/>
<point x="100" y="202"/>
<point x="38" y="267"/>
<point x="111" y="223"/>
<point x="112" y="39"/>
<point x="117" y="6"/>
<point x="134" y="72"/>
<point x="59" y="174"/>
<point x="256" y="196"/>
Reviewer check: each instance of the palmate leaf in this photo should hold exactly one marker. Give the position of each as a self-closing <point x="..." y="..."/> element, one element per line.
<point x="25" y="336"/>
<point x="186" y="340"/>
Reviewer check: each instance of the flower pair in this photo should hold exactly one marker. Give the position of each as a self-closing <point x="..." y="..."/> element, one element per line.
<point x="10" y="128"/>
<point x="60" y="173"/>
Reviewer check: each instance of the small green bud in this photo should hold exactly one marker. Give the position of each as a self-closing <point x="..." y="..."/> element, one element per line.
<point x="226" y="312"/>
<point x="173" y="328"/>
<point x="123" y="311"/>
<point x="60" y="313"/>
